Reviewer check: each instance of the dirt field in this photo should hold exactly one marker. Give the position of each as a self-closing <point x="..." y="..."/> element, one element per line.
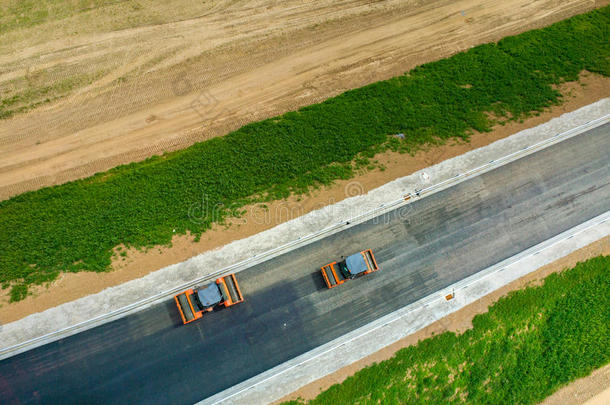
<point x="70" y="286"/>
<point x="576" y="393"/>
<point x="127" y="80"/>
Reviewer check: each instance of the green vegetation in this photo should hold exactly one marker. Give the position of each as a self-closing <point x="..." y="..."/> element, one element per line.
<point x="528" y="345"/>
<point x="75" y="226"/>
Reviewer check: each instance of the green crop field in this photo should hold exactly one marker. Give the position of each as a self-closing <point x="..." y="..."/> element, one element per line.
<point x="528" y="345"/>
<point x="75" y="226"/>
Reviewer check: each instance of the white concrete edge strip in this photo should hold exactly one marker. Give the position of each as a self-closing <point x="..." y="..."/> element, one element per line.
<point x="299" y="242"/>
<point x="288" y="377"/>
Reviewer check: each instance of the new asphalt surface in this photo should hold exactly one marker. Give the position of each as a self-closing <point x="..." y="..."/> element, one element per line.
<point x="150" y="357"/>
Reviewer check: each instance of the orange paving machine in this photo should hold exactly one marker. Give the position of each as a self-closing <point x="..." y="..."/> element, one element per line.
<point x="353" y="266"/>
<point x="193" y="303"/>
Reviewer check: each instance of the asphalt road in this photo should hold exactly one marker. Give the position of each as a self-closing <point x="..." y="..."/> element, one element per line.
<point x="150" y="357"/>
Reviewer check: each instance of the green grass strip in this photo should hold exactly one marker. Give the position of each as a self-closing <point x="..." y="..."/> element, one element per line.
<point x="529" y="344"/>
<point x="75" y="226"/>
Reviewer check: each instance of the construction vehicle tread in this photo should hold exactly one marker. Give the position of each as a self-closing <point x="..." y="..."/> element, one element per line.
<point x="370" y="260"/>
<point x="186" y="308"/>
<point x="232" y="290"/>
<point x="329" y="274"/>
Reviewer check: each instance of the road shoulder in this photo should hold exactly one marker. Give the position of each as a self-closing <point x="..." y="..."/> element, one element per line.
<point x="461" y="320"/>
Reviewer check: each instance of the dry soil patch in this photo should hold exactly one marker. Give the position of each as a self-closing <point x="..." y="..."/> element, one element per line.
<point x="199" y="77"/>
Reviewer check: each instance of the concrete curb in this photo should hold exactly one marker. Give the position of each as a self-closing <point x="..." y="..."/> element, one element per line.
<point x="111" y="315"/>
<point x="288" y="377"/>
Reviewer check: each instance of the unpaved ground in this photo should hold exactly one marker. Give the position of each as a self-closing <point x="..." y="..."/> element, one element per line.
<point x="71" y="286"/>
<point x="166" y="80"/>
<point x="591" y="390"/>
<point x="575" y="393"/>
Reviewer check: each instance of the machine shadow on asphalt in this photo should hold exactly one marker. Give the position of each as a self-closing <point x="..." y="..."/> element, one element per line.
<point x="174" y="315"/>
<point x="318" y="281"/>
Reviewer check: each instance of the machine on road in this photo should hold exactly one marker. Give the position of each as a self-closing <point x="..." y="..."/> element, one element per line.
<point x="353" y="266"/>
<point x="192" y="303"/>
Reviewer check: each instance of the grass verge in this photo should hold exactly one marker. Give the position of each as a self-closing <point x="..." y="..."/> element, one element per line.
<point x="76" y="226"/>
<point x="529" y="344"/>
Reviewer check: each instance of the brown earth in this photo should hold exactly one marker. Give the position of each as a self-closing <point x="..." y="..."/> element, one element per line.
<point x="591" y="390"/>
<point x="575" y="393"/>
<point x="148" y="77"/>
<point x="69" y="287"/>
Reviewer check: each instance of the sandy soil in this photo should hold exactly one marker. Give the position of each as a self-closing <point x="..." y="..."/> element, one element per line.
<point x="163" y="86"/>
<point x="575" y="393"/>
<point x="591" y="390"/>
<point x="71" y="286"/>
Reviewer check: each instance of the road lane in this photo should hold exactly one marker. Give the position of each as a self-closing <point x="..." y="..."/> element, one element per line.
<point x="421" y="248"/>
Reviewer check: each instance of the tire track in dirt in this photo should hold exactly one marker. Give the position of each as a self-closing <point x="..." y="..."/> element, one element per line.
<point x="240" y="65"/>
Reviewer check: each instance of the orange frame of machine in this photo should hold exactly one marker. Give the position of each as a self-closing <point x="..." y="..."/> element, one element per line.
<point x="229" y="302"/>
<point x="198" y="314"/>
<point x="331" y="266"/>
<point x="370" y="270"/>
